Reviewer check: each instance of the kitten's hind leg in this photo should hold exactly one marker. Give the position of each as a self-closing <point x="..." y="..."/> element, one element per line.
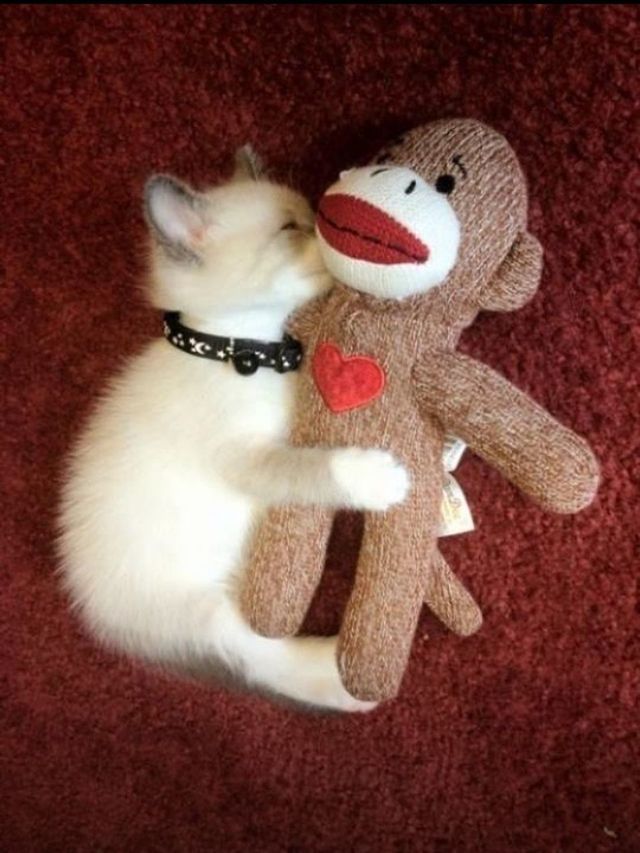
<point x="304" y="669"/>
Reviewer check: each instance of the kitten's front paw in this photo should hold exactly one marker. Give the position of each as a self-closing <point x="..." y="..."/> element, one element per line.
<point x="370" y="479"/>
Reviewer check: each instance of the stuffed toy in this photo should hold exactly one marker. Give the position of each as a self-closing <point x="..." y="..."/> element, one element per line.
<point x="419" y="242"/>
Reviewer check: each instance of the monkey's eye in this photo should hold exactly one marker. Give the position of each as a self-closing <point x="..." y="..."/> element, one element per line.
<point x="445" y="184"/>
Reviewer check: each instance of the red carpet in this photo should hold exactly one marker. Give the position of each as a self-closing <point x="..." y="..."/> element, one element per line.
<point x="524" y="738"/>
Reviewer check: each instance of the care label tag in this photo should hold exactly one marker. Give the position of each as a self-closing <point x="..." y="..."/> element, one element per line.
<point x="455" y="515"/>
<point x="452" y="452"/>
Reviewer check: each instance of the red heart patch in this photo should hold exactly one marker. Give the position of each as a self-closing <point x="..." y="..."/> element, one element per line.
<point x="346" y="381"/>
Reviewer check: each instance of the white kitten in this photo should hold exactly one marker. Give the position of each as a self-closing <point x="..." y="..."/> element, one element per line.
<point x="183" y="454"/>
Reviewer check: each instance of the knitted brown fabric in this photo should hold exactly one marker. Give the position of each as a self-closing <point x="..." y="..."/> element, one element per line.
<point x="428" y="390"/>
<point x="548" y="462"/>
<point x="450" y="600"/>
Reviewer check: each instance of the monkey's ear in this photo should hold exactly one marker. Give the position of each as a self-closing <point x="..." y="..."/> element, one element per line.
<point x="248" y="165"/>
<point x="517" y="278"/>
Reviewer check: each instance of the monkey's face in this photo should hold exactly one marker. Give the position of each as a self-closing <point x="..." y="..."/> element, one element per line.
<point x="386" y="231"/>
<point x="475" y="169"/>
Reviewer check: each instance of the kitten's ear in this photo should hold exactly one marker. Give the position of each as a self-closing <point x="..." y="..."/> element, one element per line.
<point x="248" y="166"/>
<point x="176" y="215"/>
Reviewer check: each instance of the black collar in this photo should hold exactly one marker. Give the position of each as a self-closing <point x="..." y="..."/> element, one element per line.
<point x="246" y="354"/>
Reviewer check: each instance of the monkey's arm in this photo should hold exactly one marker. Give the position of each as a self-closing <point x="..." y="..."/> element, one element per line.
<point x="504" y="426"/>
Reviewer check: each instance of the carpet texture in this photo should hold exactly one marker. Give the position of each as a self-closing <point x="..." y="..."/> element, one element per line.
<point x="524" y="737"/>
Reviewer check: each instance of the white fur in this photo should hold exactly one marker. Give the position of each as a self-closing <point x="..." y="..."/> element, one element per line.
<point x="425" y="212"/>
<point x="353" y="471"/>
<point x="183" y="455"/>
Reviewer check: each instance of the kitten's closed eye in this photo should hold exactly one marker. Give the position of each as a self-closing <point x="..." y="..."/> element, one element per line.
<point x="302" y="227"/>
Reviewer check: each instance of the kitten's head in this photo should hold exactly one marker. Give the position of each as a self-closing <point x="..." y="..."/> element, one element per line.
<point x="245" y="243"/>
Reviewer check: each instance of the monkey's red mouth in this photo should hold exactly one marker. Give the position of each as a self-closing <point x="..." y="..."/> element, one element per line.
<point x="361" y="230"/>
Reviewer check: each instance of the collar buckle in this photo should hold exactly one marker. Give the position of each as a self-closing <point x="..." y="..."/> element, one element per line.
<point x="289" y="355"/>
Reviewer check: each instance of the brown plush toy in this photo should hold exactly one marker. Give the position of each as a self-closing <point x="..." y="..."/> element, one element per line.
<point x="420" y="242"/>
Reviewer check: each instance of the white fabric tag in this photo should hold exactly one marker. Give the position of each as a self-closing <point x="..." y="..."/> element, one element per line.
<point x="452" y="452"/>
<point x="455" y="513"/>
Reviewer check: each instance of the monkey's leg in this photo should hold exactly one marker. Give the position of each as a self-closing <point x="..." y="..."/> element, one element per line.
<point x="448" y="598"/>
<point x="383" y="610"/>
<point x="284" y="567"/>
